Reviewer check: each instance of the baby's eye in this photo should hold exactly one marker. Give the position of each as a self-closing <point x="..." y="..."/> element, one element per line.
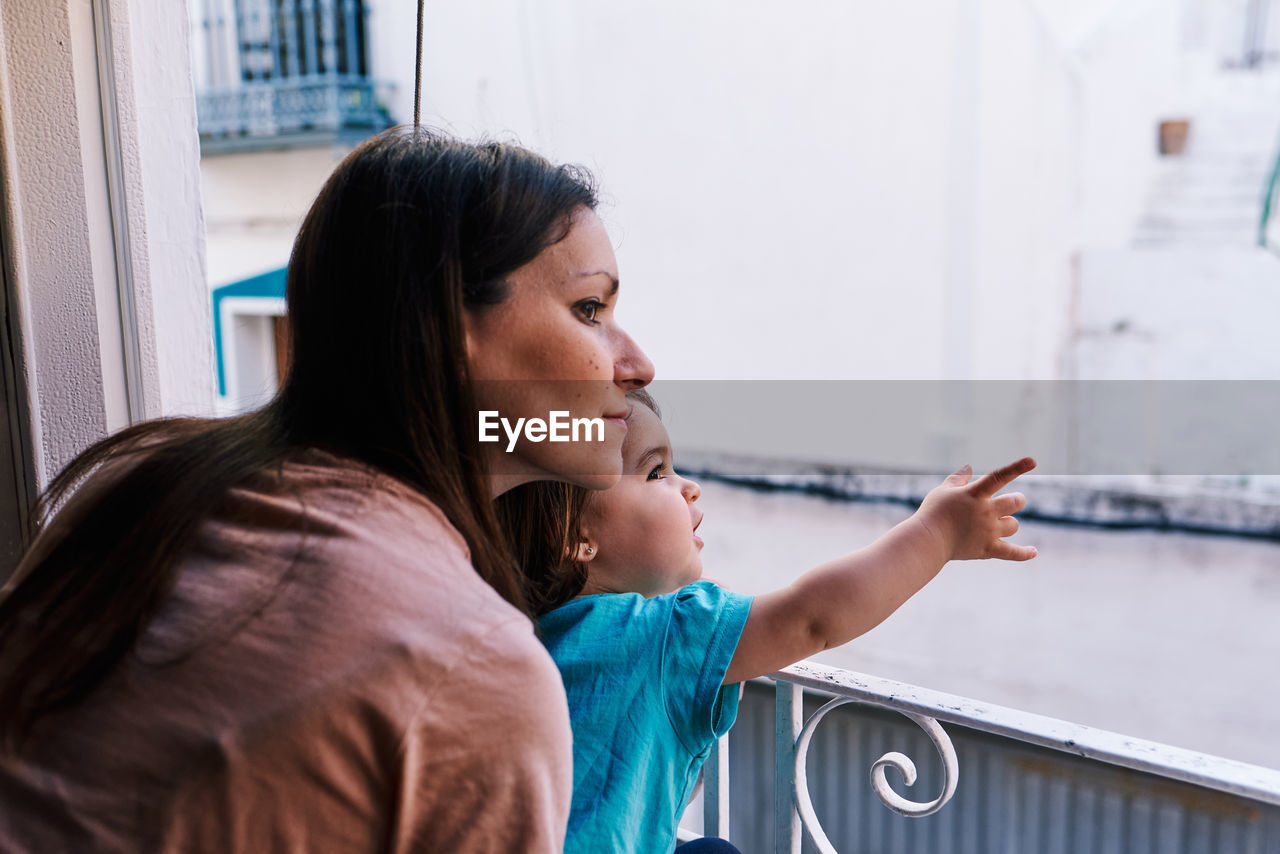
<point x="588" y="308"/>
<point x="656" y="473"/>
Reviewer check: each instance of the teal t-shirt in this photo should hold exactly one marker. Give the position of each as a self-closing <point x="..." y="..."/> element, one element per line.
<point x="643" y="678"/>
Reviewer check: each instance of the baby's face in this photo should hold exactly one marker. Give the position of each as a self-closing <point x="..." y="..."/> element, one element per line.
<point x="643" y="529"/>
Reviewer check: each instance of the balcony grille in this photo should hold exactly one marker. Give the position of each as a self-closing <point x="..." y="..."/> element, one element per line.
<point x="1027" y="784"/>
<point x="1013" y="798"/>
<point x="272" y="72"/>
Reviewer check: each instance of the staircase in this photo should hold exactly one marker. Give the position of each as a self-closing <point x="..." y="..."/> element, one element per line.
<point x="1211" y="195"/>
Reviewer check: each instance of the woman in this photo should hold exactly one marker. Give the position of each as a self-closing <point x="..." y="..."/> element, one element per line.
<point x="302" y="629"/>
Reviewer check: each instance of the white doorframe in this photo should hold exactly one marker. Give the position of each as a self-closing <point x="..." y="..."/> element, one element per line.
<point x="99" y="200"/>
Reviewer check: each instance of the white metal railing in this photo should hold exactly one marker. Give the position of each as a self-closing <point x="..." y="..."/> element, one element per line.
<point x="929" y="709"/>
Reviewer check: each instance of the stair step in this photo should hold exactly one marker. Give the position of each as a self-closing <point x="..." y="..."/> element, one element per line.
<point x="1197" y="218"/>
<point x="1191" y="165"/>
<point x="1175" y="202"/>
<point x="1201" y="241"/>
<point x="1225" y="152"/>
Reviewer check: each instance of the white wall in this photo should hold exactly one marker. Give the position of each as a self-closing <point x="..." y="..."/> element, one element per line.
<point x="1136" y="72"/>
<point x="254" y="203"/>
<point x="1029" y="102"/>
<point x="826" y="191"/>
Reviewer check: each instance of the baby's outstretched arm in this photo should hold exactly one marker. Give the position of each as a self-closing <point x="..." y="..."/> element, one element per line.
<point x="843" y="598"/>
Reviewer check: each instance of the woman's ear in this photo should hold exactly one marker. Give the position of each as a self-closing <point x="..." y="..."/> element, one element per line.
<point x="585" y="552"/>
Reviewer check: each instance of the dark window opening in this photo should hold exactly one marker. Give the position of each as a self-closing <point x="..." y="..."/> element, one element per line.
<point x="294" y="38"/>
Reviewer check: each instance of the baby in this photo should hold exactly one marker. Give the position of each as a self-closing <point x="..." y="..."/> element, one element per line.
<point x="651" y="654"/>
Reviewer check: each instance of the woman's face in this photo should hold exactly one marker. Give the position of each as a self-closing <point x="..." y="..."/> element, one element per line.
<point x="554" y="345"/>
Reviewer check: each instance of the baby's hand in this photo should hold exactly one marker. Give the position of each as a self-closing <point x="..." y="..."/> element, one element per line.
<point x="970" y="520"/>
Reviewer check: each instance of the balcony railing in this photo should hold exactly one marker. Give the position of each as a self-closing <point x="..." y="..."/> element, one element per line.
<point x="1261" y="33"/>
<point x="1031" y="784"/>
<point x="280" y="72"/>
<point x="1269" y="224"/>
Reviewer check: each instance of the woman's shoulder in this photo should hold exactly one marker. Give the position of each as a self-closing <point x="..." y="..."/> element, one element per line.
<point x="337" y="489"/>
<point x="329" y="549"/>
<point x="361" y="528"/>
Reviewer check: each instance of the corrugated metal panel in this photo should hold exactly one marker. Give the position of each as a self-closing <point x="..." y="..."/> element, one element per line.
<point x="1013" y="798"/>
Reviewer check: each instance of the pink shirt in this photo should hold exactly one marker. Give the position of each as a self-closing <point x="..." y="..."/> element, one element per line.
<point x="329" y="675"/>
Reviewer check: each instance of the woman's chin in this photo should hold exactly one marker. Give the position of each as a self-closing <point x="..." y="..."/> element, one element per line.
<point x="601" y="468"/>
<point x="591" y="467"/>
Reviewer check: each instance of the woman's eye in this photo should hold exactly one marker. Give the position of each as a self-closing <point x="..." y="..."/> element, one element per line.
<point x="589" y="308"/>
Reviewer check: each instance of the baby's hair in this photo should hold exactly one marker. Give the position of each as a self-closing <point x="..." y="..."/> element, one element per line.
<point x="543" y="521"/>
<point x="642" y="396"/>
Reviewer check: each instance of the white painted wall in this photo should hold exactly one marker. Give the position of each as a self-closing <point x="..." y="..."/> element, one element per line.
<point x="1135" y="73"/>
<point x="828" y="191"/>
<point x="778" y="178"/>
<point x="254" y="203"/>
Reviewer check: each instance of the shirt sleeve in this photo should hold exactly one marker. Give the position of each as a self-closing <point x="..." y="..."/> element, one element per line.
<point x="705" y="625"/>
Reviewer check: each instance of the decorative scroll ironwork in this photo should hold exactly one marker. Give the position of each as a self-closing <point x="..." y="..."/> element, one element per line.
<point x="879" y="782"/>
<point x="289" y="105"/>
<point x="794" y="811"/>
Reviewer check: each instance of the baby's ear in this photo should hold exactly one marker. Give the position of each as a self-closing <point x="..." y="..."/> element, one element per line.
<point x="585" y="552"/>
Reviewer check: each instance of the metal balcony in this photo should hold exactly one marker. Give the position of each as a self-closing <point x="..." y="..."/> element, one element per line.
<point x="279" y="73"/>
<point x="993" y="780"/>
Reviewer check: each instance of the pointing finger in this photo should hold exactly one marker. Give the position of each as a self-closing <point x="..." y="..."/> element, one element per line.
<point x="990" y="484"/>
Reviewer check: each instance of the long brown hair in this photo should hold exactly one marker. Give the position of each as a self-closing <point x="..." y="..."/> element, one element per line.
<point x="412" y="228"/>
<point x="544" y="523"/>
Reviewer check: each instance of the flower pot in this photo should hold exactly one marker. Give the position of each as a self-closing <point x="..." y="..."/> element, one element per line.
<point x="1173" y="136"/>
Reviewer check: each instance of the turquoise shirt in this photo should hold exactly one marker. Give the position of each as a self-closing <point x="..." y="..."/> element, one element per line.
<point x="643" y="678"/>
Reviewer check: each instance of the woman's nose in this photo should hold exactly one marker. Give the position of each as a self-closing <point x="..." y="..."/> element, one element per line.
<point x="631" y="367"/>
